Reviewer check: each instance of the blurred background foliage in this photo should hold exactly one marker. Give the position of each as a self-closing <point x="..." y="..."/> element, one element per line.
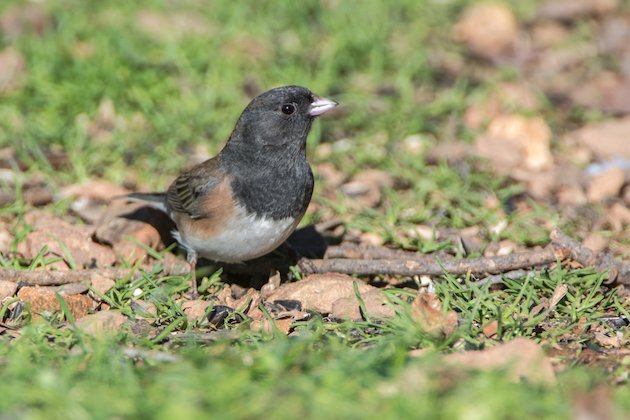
<point x="166" y="76"/>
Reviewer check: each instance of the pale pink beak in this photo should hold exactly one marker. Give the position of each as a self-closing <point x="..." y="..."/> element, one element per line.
<point x="321" y="105"/>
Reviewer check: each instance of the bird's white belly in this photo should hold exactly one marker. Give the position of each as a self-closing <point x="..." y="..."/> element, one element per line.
<point x="245" y="237"/>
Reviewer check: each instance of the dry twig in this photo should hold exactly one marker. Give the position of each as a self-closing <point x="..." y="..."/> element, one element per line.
<point x="567" y="247"/>
<point x="377" y="253"/>
<point x="353" y="259"/>
<point x="170" y="266"/>
<point x="57" y="278"/>
<point x="375" y="261"/>
<point x="434" y="266"/>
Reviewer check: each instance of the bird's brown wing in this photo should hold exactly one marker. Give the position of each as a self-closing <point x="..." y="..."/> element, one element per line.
<point x="187" y="193"/>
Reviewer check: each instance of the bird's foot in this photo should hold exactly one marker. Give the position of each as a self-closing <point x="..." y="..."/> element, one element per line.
<point x="306" y="266"/>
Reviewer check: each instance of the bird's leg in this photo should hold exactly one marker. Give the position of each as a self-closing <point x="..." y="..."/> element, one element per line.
<point x="192" y="261"/>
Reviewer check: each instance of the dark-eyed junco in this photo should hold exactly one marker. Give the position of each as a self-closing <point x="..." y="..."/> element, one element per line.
<point x="244" y="202"/>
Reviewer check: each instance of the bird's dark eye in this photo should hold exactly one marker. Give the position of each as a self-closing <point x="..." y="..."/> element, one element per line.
<point x="288" y="109"/>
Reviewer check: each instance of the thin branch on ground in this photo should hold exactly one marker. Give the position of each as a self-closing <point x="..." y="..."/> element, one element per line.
<point x="567" y="247"/>
<point x="354" y="259"/>
<point x="171" y="265"/>
<point x="354" y="251"/>
<point x="58" y="278"/>
<point x="435" y="266"/>
<point x="382" y="261"/>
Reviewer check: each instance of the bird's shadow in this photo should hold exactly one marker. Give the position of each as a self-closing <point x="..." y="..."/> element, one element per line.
<point x="306" y="242"/>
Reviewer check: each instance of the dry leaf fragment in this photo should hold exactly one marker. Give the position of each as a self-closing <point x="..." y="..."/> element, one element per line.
<point x="247" y="303"/>
<point x="195" y="310"/>
<point x="375" y="301"/>
<point x="558" y="294"/>
<point x="271" y="286"/>
<point x="538" y="309"/>
<point x="426" y="310"/>
<point x="523" y="358"/>
<point x="607" y="340"/>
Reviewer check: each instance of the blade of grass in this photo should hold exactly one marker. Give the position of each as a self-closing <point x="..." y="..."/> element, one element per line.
<point x="66" y="252"/>
<point x="362" y="307"/>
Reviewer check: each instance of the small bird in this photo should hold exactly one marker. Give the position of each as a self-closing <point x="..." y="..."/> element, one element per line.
<point x="247" y="200"/>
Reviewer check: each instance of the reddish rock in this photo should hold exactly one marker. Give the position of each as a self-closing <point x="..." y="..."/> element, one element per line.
<point x="41" y="300"/>
<point x="318" y="292"/>
<point x="68" y="242"/>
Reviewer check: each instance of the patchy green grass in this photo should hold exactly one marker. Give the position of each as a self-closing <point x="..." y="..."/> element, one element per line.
<point x="178" y="74"/>
<point x="348" y="370"/>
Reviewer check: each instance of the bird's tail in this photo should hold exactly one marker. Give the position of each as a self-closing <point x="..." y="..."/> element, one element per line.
<point x="156" y="200"/>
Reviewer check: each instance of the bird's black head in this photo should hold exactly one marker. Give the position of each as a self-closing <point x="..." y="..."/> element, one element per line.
<point x="280" y="117"/>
